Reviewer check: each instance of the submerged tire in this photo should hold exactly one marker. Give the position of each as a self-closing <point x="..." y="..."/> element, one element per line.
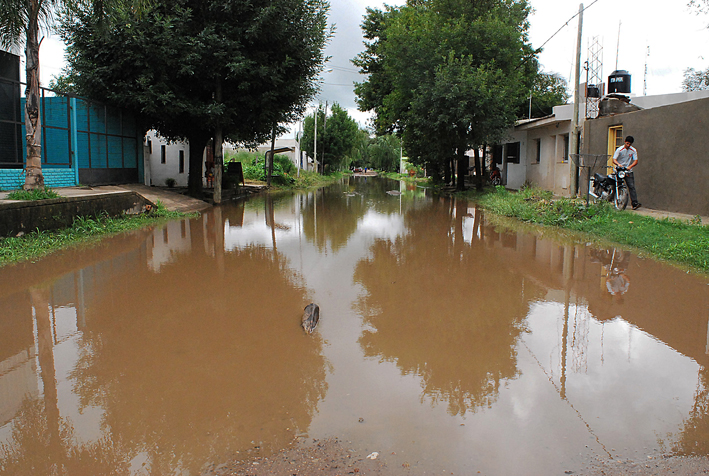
<point x="621" y="201"/>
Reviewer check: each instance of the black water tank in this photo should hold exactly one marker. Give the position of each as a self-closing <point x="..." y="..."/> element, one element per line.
<point x="619" y="82"/>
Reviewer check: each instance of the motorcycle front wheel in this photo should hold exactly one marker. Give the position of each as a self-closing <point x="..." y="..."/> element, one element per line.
<point x="621" y="201"/>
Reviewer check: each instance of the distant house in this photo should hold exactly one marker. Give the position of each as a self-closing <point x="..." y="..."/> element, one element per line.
<point x="670" y="135"/>
<point x="165" y="160"/>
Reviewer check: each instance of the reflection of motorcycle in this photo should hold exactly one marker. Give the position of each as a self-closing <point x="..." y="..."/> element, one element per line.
<point x="610" y="188"/>
<point x="615" y="263"/>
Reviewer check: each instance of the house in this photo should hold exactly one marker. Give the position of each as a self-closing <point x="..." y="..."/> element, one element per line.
<point x="670" y="135"/>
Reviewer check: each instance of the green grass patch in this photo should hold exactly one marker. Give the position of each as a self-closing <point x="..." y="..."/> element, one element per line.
<point x="38" y="244"/>
<point x="682" y="242"/>
<point x="38" y="194"/>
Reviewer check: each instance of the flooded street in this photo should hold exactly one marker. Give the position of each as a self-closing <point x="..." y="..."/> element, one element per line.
<point x="448" y="341"/>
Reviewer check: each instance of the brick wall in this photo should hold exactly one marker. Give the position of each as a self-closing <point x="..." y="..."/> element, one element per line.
<point x="14" y="179"/>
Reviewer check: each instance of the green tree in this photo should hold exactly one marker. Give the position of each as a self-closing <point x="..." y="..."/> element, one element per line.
<point x="695" y="80"/>
<point x="453" y="74"/>
<point x="385" y="153"/>
<point x="191" y="68"/>
<point x="548" y="90"/>
<point x="336" y="137"/>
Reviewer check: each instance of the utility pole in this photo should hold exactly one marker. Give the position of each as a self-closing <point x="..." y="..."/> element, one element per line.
<point x="315" y="139"/>
<point x="574" y="140"/>
<point x="324" y="129"/>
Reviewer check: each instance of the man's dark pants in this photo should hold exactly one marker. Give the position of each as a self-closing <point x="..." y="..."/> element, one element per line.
<point x="630" y="182"/>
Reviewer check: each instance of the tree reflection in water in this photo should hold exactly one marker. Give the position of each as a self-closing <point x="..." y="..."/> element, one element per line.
<point x="455" y="323"/>
<point x="188" y="366"/>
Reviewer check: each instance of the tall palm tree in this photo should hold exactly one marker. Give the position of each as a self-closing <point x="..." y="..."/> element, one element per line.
<point x="20" y="24"/>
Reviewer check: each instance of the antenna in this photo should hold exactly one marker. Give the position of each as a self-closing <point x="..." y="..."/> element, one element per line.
<point x="617" y="50"/>
<point x="645" y="79"/>
<point x="594" y="76"/>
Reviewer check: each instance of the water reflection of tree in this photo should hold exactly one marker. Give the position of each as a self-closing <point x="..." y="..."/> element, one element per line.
<point x="190" y="365"/>
<point x="331" y="215"/>
<point x="443" y="309"/>
<point x="206" y="368"/>
<point x="35" y="449"/>
<point x="694" y="438"/>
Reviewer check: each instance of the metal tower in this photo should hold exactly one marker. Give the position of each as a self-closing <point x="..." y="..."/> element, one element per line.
<point x="594" y="76"/>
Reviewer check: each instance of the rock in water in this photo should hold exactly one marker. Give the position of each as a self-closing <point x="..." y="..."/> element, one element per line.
<point x="311" y="316"/>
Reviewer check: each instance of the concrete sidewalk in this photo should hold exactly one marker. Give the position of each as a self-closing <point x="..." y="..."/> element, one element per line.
<point x="173" y="201"/>
<point x="659" y="214"/>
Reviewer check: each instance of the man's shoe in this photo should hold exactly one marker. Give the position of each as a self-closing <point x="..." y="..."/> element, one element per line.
<point x="636" y="206"/>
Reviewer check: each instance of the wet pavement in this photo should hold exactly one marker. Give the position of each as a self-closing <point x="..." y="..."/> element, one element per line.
<point x="448" y="340"/>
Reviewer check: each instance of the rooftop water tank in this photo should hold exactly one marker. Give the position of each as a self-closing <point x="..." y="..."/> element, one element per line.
<point x="619" y="82"/>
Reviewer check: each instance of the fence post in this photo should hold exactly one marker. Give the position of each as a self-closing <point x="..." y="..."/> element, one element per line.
<point x="74" y="140"/>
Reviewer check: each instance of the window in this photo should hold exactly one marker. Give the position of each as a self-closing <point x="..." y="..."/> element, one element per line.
<point x="182" y="161"/>
<point x="513" y="153"/>
<point x="537" y="151"/>
<point x="497" y="155"/>
<point x="565" y="150"/>
<point x="615" y="140"/>
<point x="163" y="154"/>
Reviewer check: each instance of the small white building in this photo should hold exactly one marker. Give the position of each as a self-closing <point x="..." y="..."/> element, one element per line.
<point x="165" y="160"/>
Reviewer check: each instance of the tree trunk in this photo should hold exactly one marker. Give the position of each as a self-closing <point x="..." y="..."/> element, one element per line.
<point x="33" y="126"/>
<point x="463" y="162"/>
<point x="269" y="160"/>
<point x="218" y="152"/>
<point x="198" y="141"/>
<point x="478" y="172"/>
<point x="447" y="172"/>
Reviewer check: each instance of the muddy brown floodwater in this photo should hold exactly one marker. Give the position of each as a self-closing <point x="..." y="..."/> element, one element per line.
<point x="449" y="342"/>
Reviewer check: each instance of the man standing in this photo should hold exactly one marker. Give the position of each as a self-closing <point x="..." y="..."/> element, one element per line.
<point x="626" y="156"/>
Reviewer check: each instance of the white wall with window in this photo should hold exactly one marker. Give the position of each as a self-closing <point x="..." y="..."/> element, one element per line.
<point x="165" y="160"/>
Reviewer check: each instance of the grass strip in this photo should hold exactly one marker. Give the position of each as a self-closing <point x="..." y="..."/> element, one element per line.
<point x="38" y="244"/>
<point x="678" y="241"/>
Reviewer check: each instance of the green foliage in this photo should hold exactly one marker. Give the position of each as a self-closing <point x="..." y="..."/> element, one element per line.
<point x="337" y="137"/>
<point x="447" y="74"/>
<point x="548" y="90"/>
<point x="188" y="67"/>
<point x="695" y="80"/>
<point x="385" y="153"/>
<point x="283" y="168"/>
<point x="37" y="194"/>
<point x="682" y="242"/>
<point x="84" y="230"/>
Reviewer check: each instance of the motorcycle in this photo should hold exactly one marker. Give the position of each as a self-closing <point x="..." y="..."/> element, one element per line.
<point x="495" y="176"/>
<point x="610" y="188"/>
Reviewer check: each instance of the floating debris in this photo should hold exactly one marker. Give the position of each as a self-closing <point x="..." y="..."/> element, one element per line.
<point x="393" y="192"/>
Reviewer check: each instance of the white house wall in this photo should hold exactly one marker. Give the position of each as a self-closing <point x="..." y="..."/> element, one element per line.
<point x="156" y="171"/>
<point x="552" y="171"/>
<point x="515" y="174"/>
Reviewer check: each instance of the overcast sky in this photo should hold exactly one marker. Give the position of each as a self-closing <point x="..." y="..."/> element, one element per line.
<point x="677" y="39"/>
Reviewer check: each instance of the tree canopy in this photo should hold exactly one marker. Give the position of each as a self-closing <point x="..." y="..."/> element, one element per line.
<point x="448" y="75"/>
<point x="336" y="137"/>
<point x="695" y="80"/>
<point x="188" y="67"/>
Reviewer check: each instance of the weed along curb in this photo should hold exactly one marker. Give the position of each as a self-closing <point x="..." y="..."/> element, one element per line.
<point x="20" y="217"/>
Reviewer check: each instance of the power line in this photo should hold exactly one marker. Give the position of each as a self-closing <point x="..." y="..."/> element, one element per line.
<point x="565" y="25"/>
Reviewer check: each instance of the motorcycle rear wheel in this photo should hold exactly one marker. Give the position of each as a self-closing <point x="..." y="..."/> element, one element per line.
<point x="621" y="201"/>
